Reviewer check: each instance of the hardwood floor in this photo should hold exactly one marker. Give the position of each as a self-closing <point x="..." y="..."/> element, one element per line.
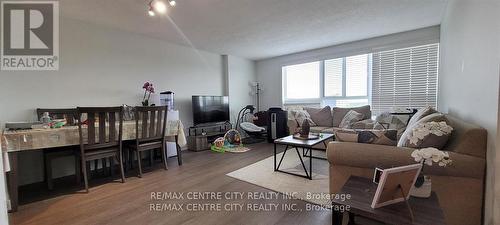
<point x="129" y="203"/>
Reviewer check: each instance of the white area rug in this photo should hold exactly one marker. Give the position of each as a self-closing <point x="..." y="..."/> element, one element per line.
<point x="262" y="174"/>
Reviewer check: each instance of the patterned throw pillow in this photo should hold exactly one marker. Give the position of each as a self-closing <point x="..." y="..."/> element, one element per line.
<point x="430" y="134"/>
<point x="378" y="137"/>
<point x="435" y="117"/>
<point x="350" y="118"/>
<point x="421" y="113"/>
<point x="301" y="115"/>
<point x="388" y="121"/>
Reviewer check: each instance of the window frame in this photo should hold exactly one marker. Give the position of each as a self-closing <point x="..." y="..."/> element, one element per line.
<point x="322" y="96"/>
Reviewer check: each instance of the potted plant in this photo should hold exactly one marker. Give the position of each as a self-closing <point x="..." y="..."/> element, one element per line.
<point x="148" y="89"/>
<point x="427" y="156"/>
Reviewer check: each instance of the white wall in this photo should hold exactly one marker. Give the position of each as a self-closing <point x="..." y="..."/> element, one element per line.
<point x="101" y="66"/>
<point x="469" y="75"/>
<point x="240" y="74"/>
<point x="269" y="70"/>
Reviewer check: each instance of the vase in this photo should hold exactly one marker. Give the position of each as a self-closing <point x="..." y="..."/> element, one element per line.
<point x="145" y="103"/>
<point x="305" y="128"/>
<point x="424" y="189"/>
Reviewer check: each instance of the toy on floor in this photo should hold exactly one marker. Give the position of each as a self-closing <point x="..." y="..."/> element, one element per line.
<point x="231" y="142"/>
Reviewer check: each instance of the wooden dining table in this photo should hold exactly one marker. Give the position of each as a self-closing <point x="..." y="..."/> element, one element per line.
<point x="14" y="142"/>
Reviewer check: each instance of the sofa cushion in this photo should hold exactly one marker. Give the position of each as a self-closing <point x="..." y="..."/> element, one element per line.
<point x="435" y="117"/>
<point x="339" y="113"/>
<point x="350" y="118"/>
<point x="318" y="129"/>
<point x="321" y="116"/>
<point x="378" y="137"/>
<point x="331" y="130"/>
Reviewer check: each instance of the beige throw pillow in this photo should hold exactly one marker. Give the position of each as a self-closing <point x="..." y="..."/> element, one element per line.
<point x="338" y="114"/>
<point x="301" y="115"/>
<point x="321" y="117"/>
<point x="350" y="118"/>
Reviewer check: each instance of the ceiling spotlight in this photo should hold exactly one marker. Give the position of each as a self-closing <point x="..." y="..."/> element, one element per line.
<point x="159" y="6"/>
<point x="172" y="3"/>
<point x="151" y="12"/>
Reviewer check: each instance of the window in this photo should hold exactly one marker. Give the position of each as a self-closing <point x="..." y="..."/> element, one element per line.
<point x="400" y="78"/>
<point x="346" y="81"/>
<point x="301" y="82"/>
<point x="405" y="78"/>
<point x="336" y="82"/>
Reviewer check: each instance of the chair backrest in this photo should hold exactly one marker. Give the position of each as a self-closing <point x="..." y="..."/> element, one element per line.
<point x="150" y="123"/>
<point x="104" y="127"/>
<point x="70" y="114"/>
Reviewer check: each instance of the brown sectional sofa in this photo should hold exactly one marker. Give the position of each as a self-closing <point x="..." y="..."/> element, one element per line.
<point x="459" y="187"/>
<point x="337" y="114"/>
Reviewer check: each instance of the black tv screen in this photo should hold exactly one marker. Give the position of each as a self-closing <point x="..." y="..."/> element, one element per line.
<point x="210" y="109"/>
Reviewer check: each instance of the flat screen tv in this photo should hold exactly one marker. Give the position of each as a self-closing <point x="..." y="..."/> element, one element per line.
<point x="210" y="109"/>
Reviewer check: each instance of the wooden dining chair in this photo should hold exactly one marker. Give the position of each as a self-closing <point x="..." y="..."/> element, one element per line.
<point x="70" y="114"/>
<point x="101" y="141"/>
<point x="150" y="124"/>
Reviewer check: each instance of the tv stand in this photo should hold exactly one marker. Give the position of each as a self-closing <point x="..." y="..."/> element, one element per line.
<point x="200" y="136"/>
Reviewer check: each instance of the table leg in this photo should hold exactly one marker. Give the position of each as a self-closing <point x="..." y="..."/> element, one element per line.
<point x="12" y="178"/>
<point x="336" y="217"/>
<point x="351" y="219"/>
<point x="274" y="156"/>
<point x="310" y="164"/>
<point x="179" y="150"/>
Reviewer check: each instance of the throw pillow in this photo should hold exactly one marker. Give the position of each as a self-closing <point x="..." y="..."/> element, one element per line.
<point x="364" y="124"/>
<point x="430" y="134"/>
<point x="339" y="113"/>
<point x="389" y="121"/>
<point x="321" y="117"/>
<point x="436" y="117"/>
<point x="378" y="137"/>
<point x="421" y="113"/>
<point x="350" y="118"/>
<point x="301" y="115"/>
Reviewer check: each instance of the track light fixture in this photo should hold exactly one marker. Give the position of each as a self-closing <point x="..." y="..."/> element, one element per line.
<point x="159" y="6"/>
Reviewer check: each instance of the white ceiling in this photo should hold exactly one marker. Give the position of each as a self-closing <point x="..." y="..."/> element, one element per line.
<point x="258" y="29"/>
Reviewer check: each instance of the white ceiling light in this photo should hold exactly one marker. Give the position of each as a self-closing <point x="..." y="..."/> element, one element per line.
<point x="151" y="12"/>
<point x="159" y="6"/>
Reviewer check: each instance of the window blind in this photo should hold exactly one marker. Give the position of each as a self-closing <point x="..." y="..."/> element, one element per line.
<point x="333" y="77"/>
<point x="357" y="75"/>
<point x="405" y="78"/>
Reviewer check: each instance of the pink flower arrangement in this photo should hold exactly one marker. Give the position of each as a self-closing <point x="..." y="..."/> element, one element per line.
<point x="148" y="89"/>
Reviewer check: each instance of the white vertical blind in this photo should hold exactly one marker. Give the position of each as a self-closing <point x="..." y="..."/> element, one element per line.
<point x="333" y="77"/>
<point x="405" y="78"/>
<point x="356" y="75"/>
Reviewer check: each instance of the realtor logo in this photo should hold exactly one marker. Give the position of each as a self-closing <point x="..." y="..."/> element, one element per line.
<point x="30" y="35"/>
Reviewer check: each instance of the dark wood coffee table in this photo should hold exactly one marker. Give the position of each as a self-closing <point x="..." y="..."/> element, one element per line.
<point x="307" y="147"/>
<point x="425" y="210"/>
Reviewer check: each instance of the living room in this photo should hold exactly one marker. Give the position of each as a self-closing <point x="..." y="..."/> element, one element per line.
<point x="344" y="84"/>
